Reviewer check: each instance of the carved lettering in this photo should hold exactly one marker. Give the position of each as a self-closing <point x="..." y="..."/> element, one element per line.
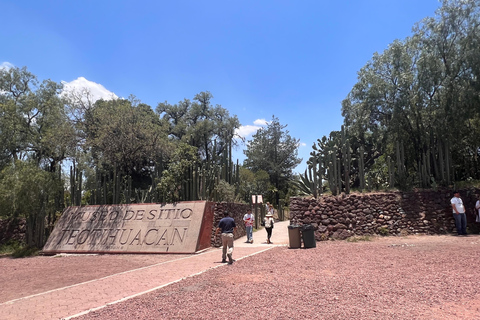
<point x="186" y="213"/>
<point x="63" y="234"/>
<point x="103" y="215"/>
<point x="113" y="215"/>
<point x="151" y="214"/>
<point x="139" y="215"/>
<point x="168" y="213"/>
<point x="73" y="234"/>
<point x="95" y="236"/>
<point x="113" y="236"/>
<point x="144" y="227"/>
<point x="137" y="238"/>
<point x="175" y="232"/>
<point x="163" y="237"/>
<point x="86" y="215"/>
<point x="146" y="236"/>
<point x="129" y="215"/>
<point x="123" y="231"/>
<point x="84" y="233"/>
<point x="94" y="216"/>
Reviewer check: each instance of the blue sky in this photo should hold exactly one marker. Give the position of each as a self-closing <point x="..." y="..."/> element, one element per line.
<point x="296" y="60"/>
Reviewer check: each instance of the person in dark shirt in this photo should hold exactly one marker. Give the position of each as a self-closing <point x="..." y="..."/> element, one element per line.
<point x="227" y="227"/>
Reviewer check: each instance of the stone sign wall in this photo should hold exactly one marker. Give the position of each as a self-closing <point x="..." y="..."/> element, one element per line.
<point x="390" y="213"/>
<point x="183" y="227"/>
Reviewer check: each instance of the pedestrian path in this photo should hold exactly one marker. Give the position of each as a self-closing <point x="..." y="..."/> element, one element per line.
<point x="75" y="300"/>
<point x="279" y="237"/>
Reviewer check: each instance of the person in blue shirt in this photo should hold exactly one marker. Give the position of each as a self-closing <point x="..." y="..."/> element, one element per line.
<point x="228" y="228"/>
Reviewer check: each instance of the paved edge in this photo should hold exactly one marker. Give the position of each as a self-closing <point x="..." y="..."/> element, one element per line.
<point x="159" y="287"/>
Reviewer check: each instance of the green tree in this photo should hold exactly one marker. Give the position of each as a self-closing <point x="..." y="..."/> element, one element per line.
<point x="252" y="183"/>
<point x="33" y="123"/>
<point x="417" y="102"/>
<point x="31" y="193"/>
<point x="274" y="151"/>
<point x="184" y="158"/>
<point x="127" y="135"/>
<point x="209" y="128"/>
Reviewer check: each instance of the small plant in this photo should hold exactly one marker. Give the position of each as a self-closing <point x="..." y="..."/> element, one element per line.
<point x="324" y="236"/>
<point x="10" y="247"/>
<point x="359" y="238"/>
<point x="28" y="251"/>
<point x="383" y="231"/>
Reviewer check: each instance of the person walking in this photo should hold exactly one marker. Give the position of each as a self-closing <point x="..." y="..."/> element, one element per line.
<point x="477" y="209"/>
<point x="459" y="214"/>
<point x="268" y="221"/>
<point x="249" y="219"/>
<point x="228" y="228"/>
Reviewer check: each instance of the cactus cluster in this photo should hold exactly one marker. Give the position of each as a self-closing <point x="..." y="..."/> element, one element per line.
<point x="198" y="182"/>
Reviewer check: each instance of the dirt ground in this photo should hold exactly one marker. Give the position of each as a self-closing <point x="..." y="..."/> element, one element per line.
<point x="415" y="277"/>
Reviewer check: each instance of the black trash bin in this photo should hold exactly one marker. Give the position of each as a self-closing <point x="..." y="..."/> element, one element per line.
<point x="308" y="236"/>
<point x="294" y="239"/>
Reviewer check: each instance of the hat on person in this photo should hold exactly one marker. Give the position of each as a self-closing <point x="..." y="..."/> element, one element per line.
<point x="269" y="214"/>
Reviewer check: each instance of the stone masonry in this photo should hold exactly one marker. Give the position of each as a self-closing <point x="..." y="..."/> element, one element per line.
<point x="389" y="213"/>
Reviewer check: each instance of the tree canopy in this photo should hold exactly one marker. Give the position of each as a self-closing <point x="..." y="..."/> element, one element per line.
<point x="274" y="151"/>
<point x="412" y="119"/>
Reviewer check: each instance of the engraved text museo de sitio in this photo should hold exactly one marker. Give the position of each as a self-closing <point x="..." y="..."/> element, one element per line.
<point x="158" y="235"/>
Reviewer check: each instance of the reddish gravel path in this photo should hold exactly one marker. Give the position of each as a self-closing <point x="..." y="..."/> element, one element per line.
<point x="424" y="277"/>
<point x="420" y="277"/>
<point x="24" y="277"/>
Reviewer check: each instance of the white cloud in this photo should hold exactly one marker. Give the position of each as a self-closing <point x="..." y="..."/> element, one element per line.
<point x="302" y="144"/>
<point x="247" y="130"/>
<point x="260" y="122"/>
<point x="89" y="90"/>
<point x="6" y="65"/>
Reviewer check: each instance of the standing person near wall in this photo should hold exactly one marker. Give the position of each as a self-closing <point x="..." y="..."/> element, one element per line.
<point x="459" y="214"/>
<point x="271" y="209"/>
<point x="268" y="221"/>
<point x="477" y="209"/>
<point x="227" y="227"/>
<point x="249" y="219"/>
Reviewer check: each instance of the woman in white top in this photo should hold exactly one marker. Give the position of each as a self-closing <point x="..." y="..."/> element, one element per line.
<point x="268" y="220"/>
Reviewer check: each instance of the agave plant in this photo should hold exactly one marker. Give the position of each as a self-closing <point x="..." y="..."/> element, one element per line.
<point x="306" y="184"/>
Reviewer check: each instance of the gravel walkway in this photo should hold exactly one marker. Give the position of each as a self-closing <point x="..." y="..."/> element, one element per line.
<point x="420" y="277"/>
<point x="416" y="277"/>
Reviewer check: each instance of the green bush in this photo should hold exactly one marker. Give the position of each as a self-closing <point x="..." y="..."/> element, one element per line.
<point x="383" y="231"/>
<point x="10" y="247"/>
<point x="27" y="251"/>
<point x="359" y="238"/>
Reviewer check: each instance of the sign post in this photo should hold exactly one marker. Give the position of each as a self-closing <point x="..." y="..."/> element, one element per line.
<point x="256" y="199"/>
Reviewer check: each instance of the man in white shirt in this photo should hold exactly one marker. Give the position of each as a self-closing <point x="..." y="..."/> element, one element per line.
<point x="249" y="218"/>
<point x="459" y="214"/>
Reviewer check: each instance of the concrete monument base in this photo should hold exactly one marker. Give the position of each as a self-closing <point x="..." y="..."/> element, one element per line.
<point x="183" y="227"/>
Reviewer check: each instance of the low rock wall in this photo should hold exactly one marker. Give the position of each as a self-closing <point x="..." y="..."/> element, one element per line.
<point x="12" y="230"/>
<point x="389" y="213"/>
<point x="236" y="211"/>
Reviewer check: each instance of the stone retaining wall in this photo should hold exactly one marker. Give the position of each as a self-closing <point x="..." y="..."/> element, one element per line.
<point x="12" y="230"/>
<point x="237" y="211"/>
<point x="389" y="213"/>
